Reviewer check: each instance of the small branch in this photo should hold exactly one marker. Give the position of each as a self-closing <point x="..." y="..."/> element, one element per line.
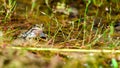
<point x="66" y="50"/>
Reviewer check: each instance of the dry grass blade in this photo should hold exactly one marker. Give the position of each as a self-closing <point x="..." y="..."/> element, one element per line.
<point x="67" y="50"/>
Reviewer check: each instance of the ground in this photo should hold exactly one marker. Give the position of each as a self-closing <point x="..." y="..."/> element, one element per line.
<point x="76" y="32"/>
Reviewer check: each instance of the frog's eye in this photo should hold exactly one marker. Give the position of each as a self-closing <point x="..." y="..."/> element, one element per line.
<point x="41" y="25"/>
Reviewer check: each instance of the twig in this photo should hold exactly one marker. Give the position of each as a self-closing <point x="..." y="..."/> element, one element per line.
<point x="66" y="50"/>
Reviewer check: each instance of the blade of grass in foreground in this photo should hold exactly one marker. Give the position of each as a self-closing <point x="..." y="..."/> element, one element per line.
<point x="66" y="50"/>
<point x="114" y="63"/>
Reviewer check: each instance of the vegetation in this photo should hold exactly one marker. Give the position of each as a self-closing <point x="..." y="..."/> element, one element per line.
<point x="79" y="34"/>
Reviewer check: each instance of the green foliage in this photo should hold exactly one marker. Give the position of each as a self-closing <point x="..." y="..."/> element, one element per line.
<point x="98" y="3"/>
<point x="114" y="63"/>
<point x="33" y="5"/>
<point x="9" y="8"/>
<point x="87" y="5"/>
<point x="111" y="28"/>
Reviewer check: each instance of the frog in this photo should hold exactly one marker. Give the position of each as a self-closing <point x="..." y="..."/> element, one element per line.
<point x="29" y="37"/>
<point x="33" y="32"/>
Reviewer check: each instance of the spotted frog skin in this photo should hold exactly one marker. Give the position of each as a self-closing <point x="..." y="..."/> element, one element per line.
<point x="34" y="31"/>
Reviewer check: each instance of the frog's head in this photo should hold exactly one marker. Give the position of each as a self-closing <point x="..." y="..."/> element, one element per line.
<point x="38" y="27"/>
<point x="38" y="30"/>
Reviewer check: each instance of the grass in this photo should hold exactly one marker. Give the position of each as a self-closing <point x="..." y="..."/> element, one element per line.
<point x="33" y="5"/>
<point x="87" y="40"/>
<point x="9" y="8"/>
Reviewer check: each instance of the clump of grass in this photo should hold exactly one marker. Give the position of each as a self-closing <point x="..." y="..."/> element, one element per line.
<point x="9" y="8"/>
<point x="33" y="5"/>
<point x="84" y="25"/>
<point x="98" y="3"/>
<point x="1" y="37"/>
